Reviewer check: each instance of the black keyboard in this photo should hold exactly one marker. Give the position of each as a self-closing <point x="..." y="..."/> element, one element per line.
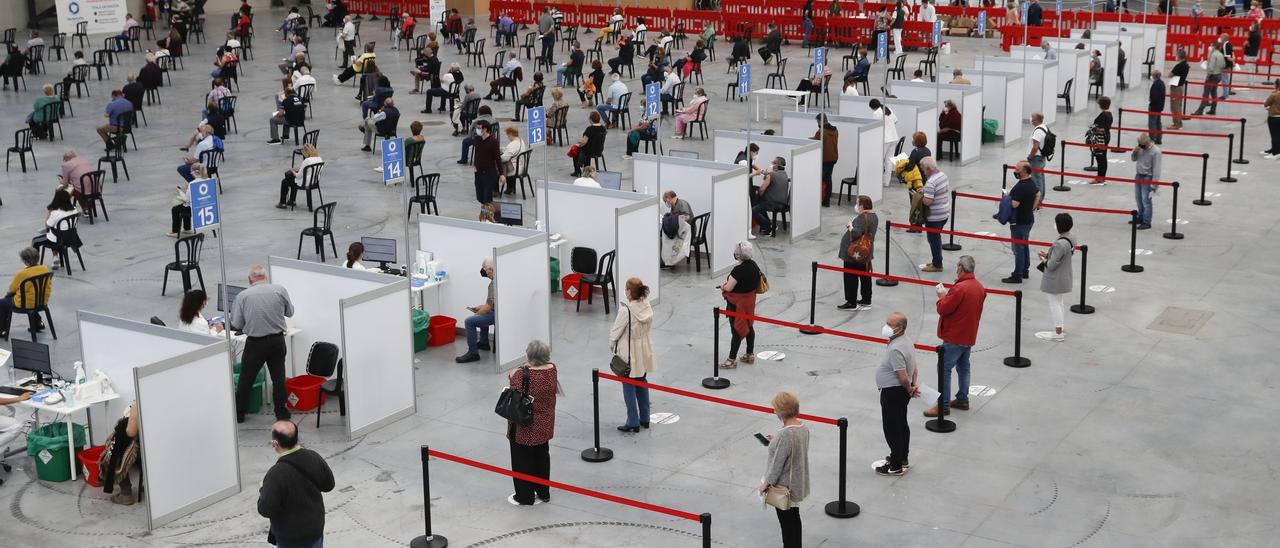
<point x="12" y="391"/>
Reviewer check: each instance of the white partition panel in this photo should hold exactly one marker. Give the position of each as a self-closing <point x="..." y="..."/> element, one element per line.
<point x="587" y="217"/>
<point x="967" y="98"/>
<point x="1073" y="65"/>
<point x="1109" y="48"/>
<point x="850" y="129"/>
<point x="116" y="346"/>
<point x="377" y="354"/>
<point x="187" y="428"/>
<point x="805" y="166"/>
<point x="1134" y="45"/>
<point x="1040" y="87"/>
<point x="638" y="241"/>
<point x="315" y="289"/>
<point x="912" y="115"/>
<point x="698" y="181"/>
<point x="461" y="246"/>
<point x="731" y="222"/>
<point x="523" y="298"/>
<point x="1002" y="95"/>
<point x="1154" y="34"/>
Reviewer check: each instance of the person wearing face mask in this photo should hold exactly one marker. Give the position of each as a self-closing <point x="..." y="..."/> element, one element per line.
<point x="291" y="494"/>
<point x="482" y="318"/>
<point x="861" y="230"/>
<point x="896" y="379"/>
<point x="959" y="311"/>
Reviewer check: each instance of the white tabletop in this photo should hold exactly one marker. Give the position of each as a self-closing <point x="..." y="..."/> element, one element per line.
<point x="63" y="408"/>
<point x="787" y="92"/>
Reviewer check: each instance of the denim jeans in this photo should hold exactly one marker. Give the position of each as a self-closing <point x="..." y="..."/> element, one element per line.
<point x="1037" y="162"/>
<point x="466" y="147"/>
<point x="477" y="327"/>
<point x="606" y="113"/>
<point x="956" y="357"/>
<point x="1021" y="252"/>
<point x="637" y="400"/>
<point x="760" y="213"/>
<point x="935" y="242"/>
<point x="1226" y="85"/>
<point x="185" y="171"/>
<point x="560" y="75"/>
<point x="1142" y="194"/>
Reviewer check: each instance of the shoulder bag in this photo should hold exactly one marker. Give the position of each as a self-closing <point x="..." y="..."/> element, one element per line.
<point x="778" y="497"/>
<point x="619" y="366"/>
<point x="516" y="405"/>
<point x="763" y="287"/>
<point x="860" y="249"/>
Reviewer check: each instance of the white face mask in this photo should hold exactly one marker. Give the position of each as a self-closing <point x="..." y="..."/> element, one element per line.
<point x="857" y="209"/>
<point x="886" y="331"/>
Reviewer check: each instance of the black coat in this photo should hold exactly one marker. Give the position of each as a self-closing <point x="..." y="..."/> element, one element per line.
<point x="291" y="497"/>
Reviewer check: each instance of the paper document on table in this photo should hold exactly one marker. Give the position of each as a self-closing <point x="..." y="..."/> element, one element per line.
<point x="4" y="356"/>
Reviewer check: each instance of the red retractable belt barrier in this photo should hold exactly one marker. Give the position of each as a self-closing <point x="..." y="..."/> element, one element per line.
<point x="1236" y="86"/>
<point x="1216" y="100"/>
<point x="1173" y="234"/>
<point x="1204" y="166"/>
<point x="1230" y="142"/>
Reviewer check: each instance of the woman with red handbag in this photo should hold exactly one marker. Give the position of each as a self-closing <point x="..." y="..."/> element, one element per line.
<point x="856" y="250"/>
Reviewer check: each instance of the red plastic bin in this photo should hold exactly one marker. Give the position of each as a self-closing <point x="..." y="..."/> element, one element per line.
<point x="89" y="462"/>
<point x="569" y="287"/>
<point x="304" y="392"/>
<point x="441" y="330"/>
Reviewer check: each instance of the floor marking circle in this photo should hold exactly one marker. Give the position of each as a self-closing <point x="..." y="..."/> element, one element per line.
<point x="1141" y="251"/>
<point x="1180" y="221"/>
<point x="1102" y="289"/>
<point x="771" y="355"/>
<point x="664" y="418"/>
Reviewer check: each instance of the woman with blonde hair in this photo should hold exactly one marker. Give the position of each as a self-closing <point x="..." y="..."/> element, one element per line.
<point x="630" y="339"/>
<point x="786" y="476"/>
<point x="288" y="185"/>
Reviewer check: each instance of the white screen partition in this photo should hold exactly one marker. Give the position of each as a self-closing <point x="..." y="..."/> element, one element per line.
<point x="637" y="236"/>
<point x="377" y="354"/>
<point x="1040" y="87"/>
<point x="1002" y="96"/>
<point x="912" y="115"/>
<point x="587" y="217"/>
<point x="698" y="181"/>
<point x="186" y="417"/>
<point x="805" y="165"/>
<point x="805" y="184"/>
<point x="1109" y="49"/>
<point x="851" y="131"/>
<point x="1073" y="65"/>
<point x="967" y="98"/>
<point x="461" y="246"/>
<point x="116" y="346"/>
<point x="523" y="298"/>
<point x="1135" y="49"/>
<point x="315" y="290"/>
<point x="1154" y="35"/>
<point x="729" y="195"/>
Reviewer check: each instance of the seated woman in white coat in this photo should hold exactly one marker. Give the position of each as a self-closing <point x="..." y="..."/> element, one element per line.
<point x="355" y="252"/>
<point x="190" y="317"/>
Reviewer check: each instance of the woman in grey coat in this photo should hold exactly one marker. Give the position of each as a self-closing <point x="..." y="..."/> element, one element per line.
<point x="865" y="222"/>
<point x="788" y="466"/>
<point x="1056" y="282"/>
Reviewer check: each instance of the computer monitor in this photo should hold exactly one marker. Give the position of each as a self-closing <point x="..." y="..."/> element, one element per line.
<point x="379" y="250"/>
<point x="510" y="213"/>
<point x="233" y="291"/>
<point x="611" y="180"/>
<point x="683" y="154"/>
<point x="33" y="357"/>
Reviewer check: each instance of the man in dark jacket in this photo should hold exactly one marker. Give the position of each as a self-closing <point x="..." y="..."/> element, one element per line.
<point x="292" y="113"/>
<point x="1155" y="104"/>
<point x="1035" y="14"/>
<point x="291" y="492"/>
<point x="487" y="163"/>
<point x="772" y="44"/>
<point x="382" y="122"/>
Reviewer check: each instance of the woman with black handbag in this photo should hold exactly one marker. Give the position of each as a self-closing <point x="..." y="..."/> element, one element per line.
<point x="537" y="382"/>
<point x="632" y="347"/>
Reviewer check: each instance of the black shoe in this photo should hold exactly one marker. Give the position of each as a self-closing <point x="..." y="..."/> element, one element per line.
<point x="483" y="346"/>
<point x="644" y="425"/>
<point x="826" y="204"/>
<point x="632" y="429"/>
<point x="240" y="419"/>
<point x="366" y="149"/>
<point x="1144" y="226"/>
<point x="847" y="306"/>
<point x="1012" y="280"/>
<point x="467" y="358"/>
<point x="425" y="111"/>
<point x="545" y="499"/>
<point x="462" y="162"/>
<point x="281" y="205"/>
<point x="887" y="470"/>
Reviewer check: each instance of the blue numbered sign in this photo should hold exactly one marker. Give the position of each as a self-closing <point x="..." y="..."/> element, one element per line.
<point x="537" y="125"/>
<point x="392" y="161"/>
<point x="1026" y="5"/>
<point x="744" y="79"/>
<point x="204" y="204"/>
<point x="1057" y="6"/>
<point x="937" y="33"/>
<point x="652" y="98"/>
<point x="819" y="61"/>
<point x="982" y="23"/>
<point x="882" y="46"/>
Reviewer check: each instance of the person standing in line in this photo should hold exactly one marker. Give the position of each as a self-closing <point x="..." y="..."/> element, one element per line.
<point x="830" y="137"/>
<point x="1155" y="103"/>
<point x="1035" y="14"/>
<point x="959" y="312"/>
<point x="1178" y="88"/>
<point x="291" y="494"/>
<point x="1056" y="282"/>
<point x="633" y="342"/>
<point x="1024" y="197"/>
<point x="866" y="222"/>
<point x="788" y="465"/>
<point x="1100" y="134"/>
<point x="259" y="312"/>
<point x="1146" y="160"/>
<point x="1214" y="67"/>
<point x="546" y="32"/>
<point x="1039" y="132"/>
<point x="899" y="19"/>
<point x="1229" y="64"/>
<point x="488" y="162"/>
<point x="896" y="379"/>
<point x="1272" y="104"/>
<point x="481" y="319"/>
<point x="739" y="292"/>
<point x="530" y="445"/>
<point x="936" y="195"/>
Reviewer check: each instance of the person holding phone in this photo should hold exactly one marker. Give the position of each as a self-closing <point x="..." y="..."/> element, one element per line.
<point x="788" y="465"/>
<point x="896" y="378"/>
<point x="482" y="318"/>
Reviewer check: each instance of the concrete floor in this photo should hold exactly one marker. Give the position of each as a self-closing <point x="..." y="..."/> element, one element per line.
<point x="1109" y="438"/>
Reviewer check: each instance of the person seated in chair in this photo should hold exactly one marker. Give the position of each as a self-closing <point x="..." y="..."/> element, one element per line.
<point x="532" y="95"/>
<point x="36" y="119"/>
<point x="646" y="129"/>
<point x="512" y="72"/>
<point x="477" y="326"/>
<point x="14" y="63"/>
<point x="382" y="122"/>
<point x="814" y="83"/>
<point x="774" y="195"/>
<point x="861" y="66"/>
<point x="292" y="114"/>
<point x="439" y="86"/>
<point x="122" y="450"/>
<point x="949" y="123"/>
<point x="31" y="268"/>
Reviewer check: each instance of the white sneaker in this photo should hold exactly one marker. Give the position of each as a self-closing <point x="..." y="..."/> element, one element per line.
<point x="626" y="156"/>
<point x="336" y="81"/>
<point x="378" y="169"/>
<point x="1050" y="336"/>
<point x="677" y="137"/>
<point x="512" y="500"/>
<point x="862" y="307"/>
<point x="1269" y="156"/>
<point x="751" y="236"/>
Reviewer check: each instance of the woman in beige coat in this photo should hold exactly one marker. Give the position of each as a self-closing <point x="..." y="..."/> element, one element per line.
<point x="630" y="340"/>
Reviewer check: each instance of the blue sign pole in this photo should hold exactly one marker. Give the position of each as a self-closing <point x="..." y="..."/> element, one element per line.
<point x="882" y="47"/>
<point x="652" y="99"/>
<point x="819" y="62"/>
<point x="982" y="23"/>
<point x="937" y="33"/>
<point x="537" y="131"/>
<point x="393" y="170"/>
<point x="744" y="80"/>
<point x="205" y="212"/>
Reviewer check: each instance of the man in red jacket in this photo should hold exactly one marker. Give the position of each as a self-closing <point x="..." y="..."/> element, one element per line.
<point x="959" y="310"/>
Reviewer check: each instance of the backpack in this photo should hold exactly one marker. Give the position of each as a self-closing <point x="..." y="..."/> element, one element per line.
<point x="1048" y="144"/>
<point x="860" y="250"/>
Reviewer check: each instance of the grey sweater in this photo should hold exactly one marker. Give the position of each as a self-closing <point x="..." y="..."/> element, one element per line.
<point x="1057" y="267"/>
<point x="1147" y="161"/>
<point x="789" y="461"/>
<point x="869" y="222"/>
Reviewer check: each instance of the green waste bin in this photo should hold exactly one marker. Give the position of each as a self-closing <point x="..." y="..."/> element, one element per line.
<point x="421" y="320"/>
<point x="48" y="446"/>
<point x="989" y="127"/>
<point x="555" y="275"/>
<point x="255" y="395"/>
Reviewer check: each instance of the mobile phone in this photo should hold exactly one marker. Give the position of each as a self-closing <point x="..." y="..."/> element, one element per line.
<point x="763" y="440"/>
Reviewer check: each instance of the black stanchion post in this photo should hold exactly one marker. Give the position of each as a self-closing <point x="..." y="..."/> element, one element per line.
<point x="705" y="519"/>
<point x="1083" y="308"/>
<point x="813" y="300"/>
<point x="1016" y="360"/>
<point x="842" y="508"/>
<point x="1062" y="169"/>
<point x="951" y="244"/>
<point x="1173" y="233"/>
<point x="1204" y="178"/>
<point x="941" y="425"/>
<point x="1004" y="177"/>
<point x="428" y="540"/>
<point x="1231" y="145"/>
<point x="596" y="453"/>
<point x="1133" y="265"/>
<point x="886" y="282"/>
<point x="715" y="381"/>
<point x="1119" y="124"/>
<point x="1240" y="148"/>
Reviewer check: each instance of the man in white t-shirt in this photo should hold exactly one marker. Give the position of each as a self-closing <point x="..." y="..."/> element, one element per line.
<point x="1035" y="156"/>
<point x="348" y="38"/>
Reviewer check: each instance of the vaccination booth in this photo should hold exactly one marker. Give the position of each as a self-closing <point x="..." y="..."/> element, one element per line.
<point x="1110" y="49"/>
<point x="967" y="98"/>
<point x="804" y="165"/>
<point x="1073" y="66"/>
<point x="181" y="382"/>
<point x="608" y="220"/>
<point x="718" y="188"/>
<point x="912" y="115"/>
<point x="861" y="148"/>
<point x="1135" y="49"/>
<point x="1040" y="87"/>
<point x="1153" y="35"/>
<point x="1002" y="96"/>
<point x="522" y="297"/>
<point x="366" y="314"/>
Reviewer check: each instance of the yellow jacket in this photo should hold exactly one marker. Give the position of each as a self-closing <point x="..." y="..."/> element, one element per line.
<point x="913" y="179"/>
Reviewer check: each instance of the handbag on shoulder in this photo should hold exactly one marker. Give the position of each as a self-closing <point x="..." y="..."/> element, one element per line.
<point x="778" y="497"/>
<point x="764" y="285"/>
<point x="619" y="366"/>
<point x="859" y="250"/>
<point x="516" y="405"/>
